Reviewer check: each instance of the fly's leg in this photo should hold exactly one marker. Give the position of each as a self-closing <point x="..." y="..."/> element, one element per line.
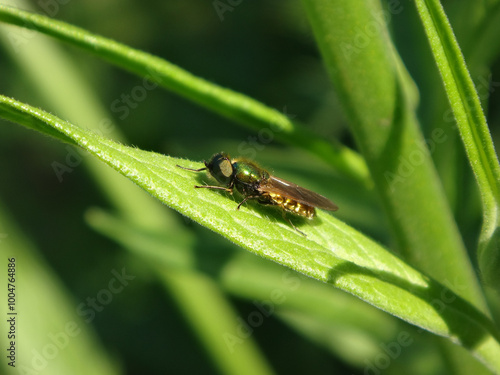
<point x="293" y="226"/>
<point x="229" y="190"/>
<point x="247" y="198"/>
<point x="264" y="202"/>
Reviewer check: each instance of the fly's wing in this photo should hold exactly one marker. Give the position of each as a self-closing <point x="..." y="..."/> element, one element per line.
<point x="289" y="189"/>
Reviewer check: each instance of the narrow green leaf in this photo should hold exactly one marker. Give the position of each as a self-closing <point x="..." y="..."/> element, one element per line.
<point x="50" y="335"/>
<point x="215" y="321"/>
<point x="225" y="102"/>
<point x="360" y="58"/>
<point x="353" y="38"/>
<point x="473" y="129"/>
<point x="170" y="254"/>
<point x="332" y="252"/>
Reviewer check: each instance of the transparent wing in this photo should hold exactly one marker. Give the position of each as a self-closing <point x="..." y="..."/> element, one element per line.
<point x="289" y="189"/>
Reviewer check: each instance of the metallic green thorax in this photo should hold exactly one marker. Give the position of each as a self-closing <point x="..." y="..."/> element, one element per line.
<point x="249" y="173"/>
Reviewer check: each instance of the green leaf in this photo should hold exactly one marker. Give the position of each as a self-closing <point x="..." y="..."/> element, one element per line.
<point x="332" y="252"/>
<point x="473" y="128"/>
<point x="50" y="333"/>
<point x="169" y="253"/>
<point x="377" y="97"/>
<point x="225" y="102"/>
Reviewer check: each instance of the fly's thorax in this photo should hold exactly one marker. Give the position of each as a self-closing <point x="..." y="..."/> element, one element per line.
<point x="248" y="176"/>
<point x="249" y="173"/>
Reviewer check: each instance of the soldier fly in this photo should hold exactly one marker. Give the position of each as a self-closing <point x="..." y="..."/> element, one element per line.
<point x="253" y="182"/>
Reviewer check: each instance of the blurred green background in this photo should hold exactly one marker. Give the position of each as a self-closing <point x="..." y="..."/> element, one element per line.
<point x="265" y="50"/>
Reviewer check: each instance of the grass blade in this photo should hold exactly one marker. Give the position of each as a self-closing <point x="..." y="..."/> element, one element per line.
<point x="473" y="129"/>
<point x="50" y="335"/>
<point x="359" y="56"/>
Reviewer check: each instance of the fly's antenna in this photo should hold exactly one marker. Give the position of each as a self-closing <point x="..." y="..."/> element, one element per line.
<point x="191" y="169"/>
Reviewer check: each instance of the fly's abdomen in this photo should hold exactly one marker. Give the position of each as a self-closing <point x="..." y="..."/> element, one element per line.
<point x="291" y="205"/>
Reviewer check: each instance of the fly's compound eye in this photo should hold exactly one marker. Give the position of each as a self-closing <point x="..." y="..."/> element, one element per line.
<point x="226" y="168"/>
<point x="221" y="169"/>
